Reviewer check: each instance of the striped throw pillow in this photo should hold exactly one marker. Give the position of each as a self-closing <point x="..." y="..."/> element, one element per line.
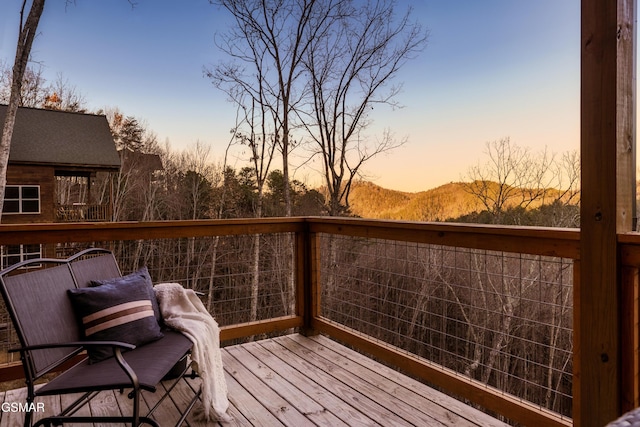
<point x="115" y="313"/>
<point x="116" y="316"/>
<point x="136" y="276"/>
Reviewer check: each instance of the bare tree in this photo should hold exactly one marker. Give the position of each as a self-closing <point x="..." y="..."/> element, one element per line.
<point x="515" y="179"/>
<point x="26" y="34"/>
<point x="256" y="125"/>
<point x="511" y="176"/>
<point x="349" y="69"/>
<point x="567" y="173"/>
<point x="37" y="92"/>
<point x="267" y="44"/>
<point x="34" y="85"/>
<point x="262" y="147"/>
<point x="62" y="95"/>
<point x="257" y="130"/>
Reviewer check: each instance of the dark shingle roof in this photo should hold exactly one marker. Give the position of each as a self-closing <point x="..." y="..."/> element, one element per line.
<point x="61" y="138"/>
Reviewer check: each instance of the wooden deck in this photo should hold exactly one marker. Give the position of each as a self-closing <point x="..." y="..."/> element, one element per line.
<point x="297" y="381"/>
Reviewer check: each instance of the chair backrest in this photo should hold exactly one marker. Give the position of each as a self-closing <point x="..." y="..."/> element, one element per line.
<point x="41" y="311"/>
<point x="93" y="264"/>
<point x="39" y="307"/>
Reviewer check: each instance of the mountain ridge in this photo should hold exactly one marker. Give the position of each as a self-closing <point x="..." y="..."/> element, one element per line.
<point x="451" y="200"/>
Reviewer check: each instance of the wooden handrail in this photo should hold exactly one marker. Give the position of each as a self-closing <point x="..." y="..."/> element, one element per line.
<point x="101" y="231"/>
<point x="556" y="242"/>
<point x="539" y="241"/>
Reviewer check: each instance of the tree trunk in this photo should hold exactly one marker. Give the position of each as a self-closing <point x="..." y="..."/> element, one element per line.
<point x="214" y="258"/>
<point x="25" y="41"/>
<point x="500" y="338"/>
<point x="255" y="264"/>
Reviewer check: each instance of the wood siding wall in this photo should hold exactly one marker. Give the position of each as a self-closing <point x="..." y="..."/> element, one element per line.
<point x="44" y="176"/>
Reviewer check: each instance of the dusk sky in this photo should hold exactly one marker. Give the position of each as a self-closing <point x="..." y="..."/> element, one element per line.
<point x="491" y="69"/>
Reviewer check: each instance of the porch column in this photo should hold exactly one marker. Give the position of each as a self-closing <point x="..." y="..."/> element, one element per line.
<point x="607" y="205"/>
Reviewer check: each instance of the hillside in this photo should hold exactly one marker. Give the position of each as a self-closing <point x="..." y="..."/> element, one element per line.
<point x="438" y="204"/>
<point x="449" y="201"/>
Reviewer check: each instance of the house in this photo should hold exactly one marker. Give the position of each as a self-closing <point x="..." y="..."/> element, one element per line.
<point x="59" y="167"/>
<point x="137" y="173"/>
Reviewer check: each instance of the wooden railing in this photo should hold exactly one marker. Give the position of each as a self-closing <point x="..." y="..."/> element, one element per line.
<point x="561" y="243"/>
<point x="308" y="317"/>
<point x="77" y="213"/>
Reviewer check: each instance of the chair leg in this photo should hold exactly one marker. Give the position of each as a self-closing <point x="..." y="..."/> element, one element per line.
<point x="27" y="419"/>
<point x="136" y="408"/>
<point x="28" y="415"/>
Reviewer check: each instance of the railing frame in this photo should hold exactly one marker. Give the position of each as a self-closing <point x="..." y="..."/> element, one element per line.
<point x="555" y="242"/>
<point x="75" y="213"/>
<point x="308" y="318"/>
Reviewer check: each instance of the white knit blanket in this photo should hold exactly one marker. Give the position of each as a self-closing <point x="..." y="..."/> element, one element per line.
<point x="182" y="310"/>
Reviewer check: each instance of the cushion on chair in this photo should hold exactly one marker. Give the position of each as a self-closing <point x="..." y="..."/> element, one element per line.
<point x="115" y="312"/>
<point x="136" y="276"/>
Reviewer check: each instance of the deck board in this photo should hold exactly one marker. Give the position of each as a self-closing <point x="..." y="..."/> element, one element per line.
<point x="448" y="410"/>
<point x="312" y="390"/>
<point x="298" y="381"/>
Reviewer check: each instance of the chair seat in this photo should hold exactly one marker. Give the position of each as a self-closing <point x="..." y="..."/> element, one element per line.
<point x="151" y="362"/>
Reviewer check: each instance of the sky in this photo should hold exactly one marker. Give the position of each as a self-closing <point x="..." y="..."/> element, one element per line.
<point x="491" y="69"/>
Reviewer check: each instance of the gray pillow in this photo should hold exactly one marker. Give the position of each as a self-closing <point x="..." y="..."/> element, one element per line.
<point x="136" y="276"/>
<point x="112" y="312"/>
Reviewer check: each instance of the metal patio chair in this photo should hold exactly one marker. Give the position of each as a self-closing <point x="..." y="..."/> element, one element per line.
<point x="35" y="294"/>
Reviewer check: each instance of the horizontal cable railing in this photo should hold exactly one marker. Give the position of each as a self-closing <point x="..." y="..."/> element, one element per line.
<point x="502" y="319"/>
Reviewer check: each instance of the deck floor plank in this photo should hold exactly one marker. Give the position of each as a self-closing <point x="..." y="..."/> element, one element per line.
<point x="350" y="400"/>
<point x="323" y="389"/>
<point x="329" y="403"/>
<point x="248" y="405"/>
<point x="125" y="405"/>
<point x="422" y="410"/>
<point x="68" y="399"/>
<point x="166" y="413"/>
<point x="422" y="397"/>
<point x="293" y="381"/>
<point x="390" y="409"/>
<point x="268" y="397"/>
<point x="454" y="408"/>
<point x="287" y="389"/>
<point x="103" y="405"/>
<point x="14" y="419"/>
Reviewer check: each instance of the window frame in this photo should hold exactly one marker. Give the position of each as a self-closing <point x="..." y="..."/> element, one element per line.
<point x="21" y="200"/>
<point x="22" y="254"/>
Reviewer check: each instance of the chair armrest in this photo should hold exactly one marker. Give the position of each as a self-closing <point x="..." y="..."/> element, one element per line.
<point x="118" y="344"/>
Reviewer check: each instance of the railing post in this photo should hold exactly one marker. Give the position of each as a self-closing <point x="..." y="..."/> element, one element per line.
<point x="308" y="259"/>
<point x="630" y="341"/>
<point x="607" y="147"/>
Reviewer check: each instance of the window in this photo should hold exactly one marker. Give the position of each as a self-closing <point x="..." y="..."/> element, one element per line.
<point x="13" y="254"/>
<point x="22" y="199"/>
